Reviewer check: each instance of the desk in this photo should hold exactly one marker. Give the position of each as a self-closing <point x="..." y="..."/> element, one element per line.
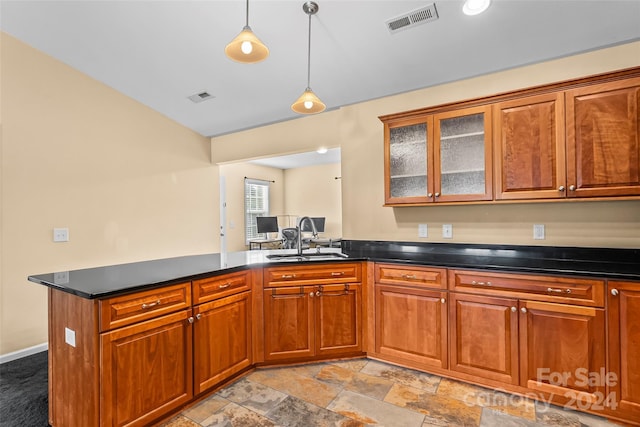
<point x="261" y="242"/>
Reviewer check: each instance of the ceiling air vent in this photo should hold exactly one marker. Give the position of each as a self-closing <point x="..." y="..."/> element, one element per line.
<point x="199" y="97"/>
<point x="413" y="18"/>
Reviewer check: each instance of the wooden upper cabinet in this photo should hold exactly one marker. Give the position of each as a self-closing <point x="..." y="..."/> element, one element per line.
<point x="603" y="139"/>
<point x="530" y="148"/>
<point x="462" y="155"/>
<point x="442" y="157"/>
<point x="408" y="158"/>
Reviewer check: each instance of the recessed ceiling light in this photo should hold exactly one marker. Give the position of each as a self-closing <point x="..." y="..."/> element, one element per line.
<point x="475" y="7"/>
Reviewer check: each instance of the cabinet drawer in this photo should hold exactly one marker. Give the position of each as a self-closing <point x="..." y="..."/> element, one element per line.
<point x="391" y="274"/>
<point x="312" y="274"/>
<point x="131" y="308"/>
<point x="220" y="286"/>
<point x="588" y="292"/>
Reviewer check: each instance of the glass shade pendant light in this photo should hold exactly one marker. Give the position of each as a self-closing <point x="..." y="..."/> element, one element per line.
<point x="309" y="103"/>
<point x="246" y="47"/>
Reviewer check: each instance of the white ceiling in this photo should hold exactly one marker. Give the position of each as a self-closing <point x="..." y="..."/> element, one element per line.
<point x="160" y="52"/>
<point x="300" y="160"/>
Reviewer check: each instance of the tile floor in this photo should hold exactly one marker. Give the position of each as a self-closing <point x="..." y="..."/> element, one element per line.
<point x="366" y="392"/>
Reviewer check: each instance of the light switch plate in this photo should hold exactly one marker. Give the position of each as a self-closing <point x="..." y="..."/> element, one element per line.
<point x="423" y="230"/>
<point x="538" y="231"/>
<point x="447" y="231"/>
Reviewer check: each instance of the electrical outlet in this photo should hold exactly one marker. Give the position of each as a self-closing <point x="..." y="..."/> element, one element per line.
<point x="538" y="231"/>
<point x="447" y="231"/>
<point x="423" y="230"/>
<point x="70" y="337"/>
<point x="60" y="234"/>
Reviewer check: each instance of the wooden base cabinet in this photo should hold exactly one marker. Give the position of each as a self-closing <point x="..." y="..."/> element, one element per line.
<point x="484" y="336"/>
<point x="146" y="370"/>
<point x="222" y="340"/>
<point x="411" y="324"/>
<point x="303" y="322"/>
<point x="623" y="388"/>
<point x="562" y="353"/>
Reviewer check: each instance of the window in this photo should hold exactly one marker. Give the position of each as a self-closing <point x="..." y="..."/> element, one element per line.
<point x="256" y="203"/>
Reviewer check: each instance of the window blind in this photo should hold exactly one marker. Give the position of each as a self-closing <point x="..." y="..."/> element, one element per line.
<point x="256" y="203"/>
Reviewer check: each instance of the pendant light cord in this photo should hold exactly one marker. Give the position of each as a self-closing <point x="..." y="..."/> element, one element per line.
<point x="309" y="56"/>
<point x="247" y="13"/>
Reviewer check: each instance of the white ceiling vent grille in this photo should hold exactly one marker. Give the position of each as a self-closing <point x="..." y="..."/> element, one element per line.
<point x="199" y="97"/>
<point x="412" y="19"/>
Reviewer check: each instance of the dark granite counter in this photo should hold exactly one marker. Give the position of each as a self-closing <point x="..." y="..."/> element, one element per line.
<point x="622" y="264"/>
<point x="99" y="282"/>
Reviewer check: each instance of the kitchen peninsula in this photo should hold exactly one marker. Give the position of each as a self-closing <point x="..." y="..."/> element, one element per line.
<point x="132" y="344"/>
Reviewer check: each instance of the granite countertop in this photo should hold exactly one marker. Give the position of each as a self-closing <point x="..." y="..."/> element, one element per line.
<point x="100" y="282"/>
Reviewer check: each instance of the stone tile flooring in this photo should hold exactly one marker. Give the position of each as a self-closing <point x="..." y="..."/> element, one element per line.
<point x="366" y="392"/>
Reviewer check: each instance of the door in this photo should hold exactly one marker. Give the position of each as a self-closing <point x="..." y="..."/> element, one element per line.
<point x="411" y="324"/>
<point x="530" y="148"/>
<point x="603" y="139"/>
<point x="222" y="340"/>
<point x="338" y="320"/>
<point x="146" y="370"/>
<point x="288" y="322"/>
<point x="223" y="214"/>
<point x="624" y="348"/>
<point x="484" y="336"/>
<point x="562" y="350"/>
<point x="408" y="158"/>
<point x="462" y="155"/>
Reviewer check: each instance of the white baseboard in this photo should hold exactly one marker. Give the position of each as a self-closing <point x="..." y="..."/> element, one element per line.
<point x="4" y="358"/>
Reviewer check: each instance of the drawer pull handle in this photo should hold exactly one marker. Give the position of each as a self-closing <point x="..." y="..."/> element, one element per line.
<point x="288" y="276"/>
<point x="337" y="273"/>
<point x="151" y="304"/>
<point x="558" y="291"/>
<point x="473" y="282"/>
<point x="408" y="276"/>
<point x="225" y="286"/>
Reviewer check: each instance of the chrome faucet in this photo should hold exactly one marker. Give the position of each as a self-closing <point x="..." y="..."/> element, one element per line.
<point x="299" y="228"/>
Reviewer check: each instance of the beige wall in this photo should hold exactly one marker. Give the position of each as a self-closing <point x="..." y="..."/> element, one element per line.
<point x="234" y="178"/>
<point x="129" y="184"/>
<point x="360" y="136"/>
<point x="315" y="191"/>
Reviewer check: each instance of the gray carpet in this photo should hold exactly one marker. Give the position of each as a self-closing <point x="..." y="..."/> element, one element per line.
<point x="23" y="392"/>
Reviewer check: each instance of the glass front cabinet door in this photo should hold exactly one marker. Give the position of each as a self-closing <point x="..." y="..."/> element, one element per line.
<point x="408" y="154"/>
<point x="435" y="158"/>
<point x="463" y="155"/>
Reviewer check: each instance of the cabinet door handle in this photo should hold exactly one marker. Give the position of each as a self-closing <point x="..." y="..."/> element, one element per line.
<point x="288" y="276"/>
<point x="561" y="188"/>
<point x="523" y="309"/>
<point x="572" y="187"/>
<point x="151" y="304"/>
<point x="513" y="309"/>
<point x="429" y="195"/>
<point x="437" y="194"/>
<point x="614" y="292"/>
<point x="558" y="291"/>
<point x="198" y="316"/>
<point x="318" y="293"/>
<point x="442" y="300"/>
<point x="224" y="286"/>
<point x="337" y="273"/>
<point x="473" y="282"/>
<point x="190" y="319"/>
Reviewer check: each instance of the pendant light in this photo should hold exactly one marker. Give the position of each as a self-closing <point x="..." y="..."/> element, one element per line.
<point x="309" y="103"/>
<point x="246" y="47"/>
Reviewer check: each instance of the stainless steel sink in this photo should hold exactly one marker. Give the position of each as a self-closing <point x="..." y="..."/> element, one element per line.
<point x="317" y="256"/>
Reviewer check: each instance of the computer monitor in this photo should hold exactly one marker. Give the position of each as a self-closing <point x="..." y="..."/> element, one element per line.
<point x="267" y="224"/>
<point x="317" y="221"/>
